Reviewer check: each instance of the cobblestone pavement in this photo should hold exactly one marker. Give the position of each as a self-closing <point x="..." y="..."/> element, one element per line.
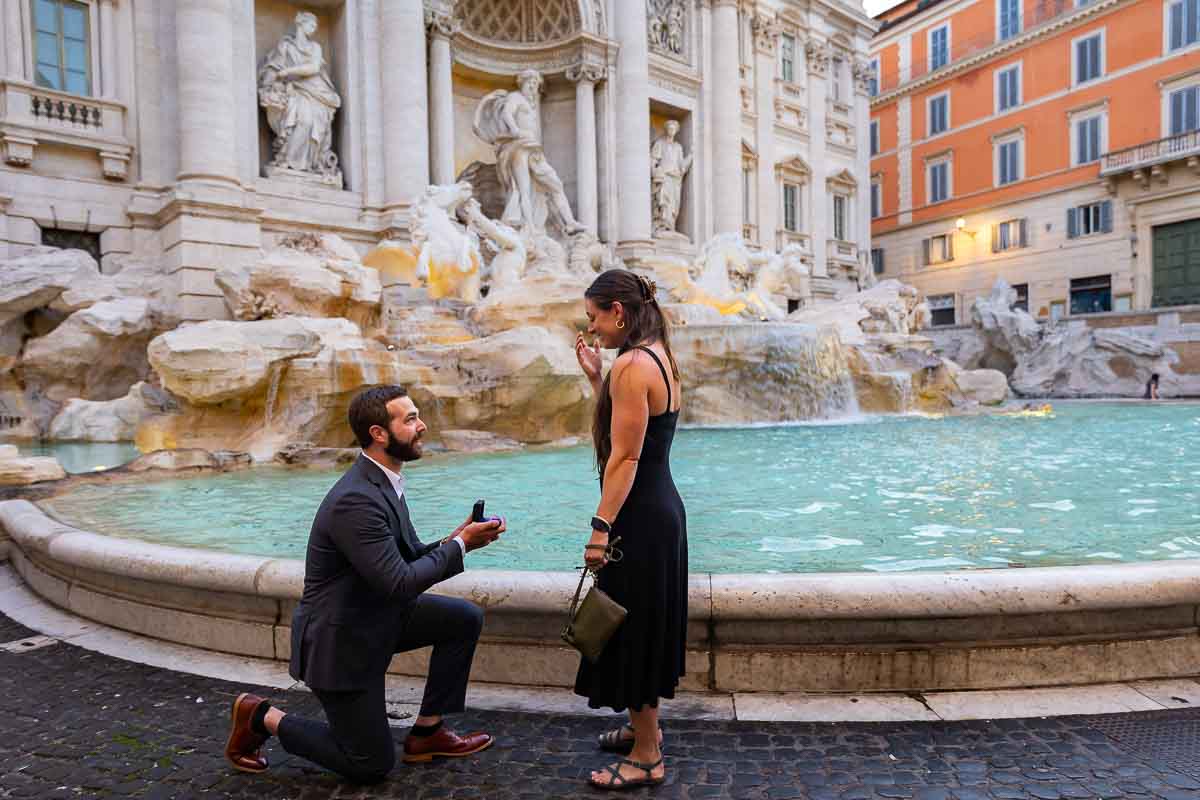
<point x="79" y="724"/>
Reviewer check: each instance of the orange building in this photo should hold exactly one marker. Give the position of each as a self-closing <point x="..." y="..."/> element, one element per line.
<point x="1053" y="144"/>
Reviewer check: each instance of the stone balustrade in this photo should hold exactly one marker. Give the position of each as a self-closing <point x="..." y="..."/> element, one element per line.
<point x="32" y="115"/>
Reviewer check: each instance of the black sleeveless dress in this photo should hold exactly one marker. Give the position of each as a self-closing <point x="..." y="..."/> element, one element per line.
<point x="644" y="660"/>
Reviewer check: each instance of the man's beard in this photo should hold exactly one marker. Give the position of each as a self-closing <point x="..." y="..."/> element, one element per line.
<point x="401" y="451"/>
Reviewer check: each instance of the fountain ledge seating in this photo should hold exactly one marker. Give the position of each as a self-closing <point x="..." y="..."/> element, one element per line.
<point x="847" y="632"/>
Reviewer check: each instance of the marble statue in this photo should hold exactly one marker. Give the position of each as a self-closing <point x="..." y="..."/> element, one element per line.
<point x="508" y="264"/>
<point x="668" y="166"/>
<point x="448" y="256"/>
<point x="509" y="121"/>
<point x="783" y="273"/>
<point x="300" y="101"/>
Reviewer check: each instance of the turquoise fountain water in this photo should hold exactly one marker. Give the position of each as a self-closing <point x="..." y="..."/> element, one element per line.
<point x="1094" y="483"/>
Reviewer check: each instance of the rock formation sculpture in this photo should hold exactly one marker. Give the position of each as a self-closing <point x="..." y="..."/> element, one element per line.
<point x="511" y="123"/>
<point x="295" y="90"/>
<point x="668" y="166"/>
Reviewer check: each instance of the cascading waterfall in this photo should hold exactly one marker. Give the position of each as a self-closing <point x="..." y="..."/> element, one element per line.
<point x="764" y="372"/>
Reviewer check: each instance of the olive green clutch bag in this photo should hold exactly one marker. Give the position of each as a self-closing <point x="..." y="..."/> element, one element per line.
<point x="591" y="623"/>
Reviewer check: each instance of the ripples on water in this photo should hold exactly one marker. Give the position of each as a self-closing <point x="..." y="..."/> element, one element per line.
<point x="1096" y="483"/>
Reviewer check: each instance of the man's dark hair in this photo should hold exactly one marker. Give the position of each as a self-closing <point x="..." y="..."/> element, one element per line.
<point x="369" y="407"/>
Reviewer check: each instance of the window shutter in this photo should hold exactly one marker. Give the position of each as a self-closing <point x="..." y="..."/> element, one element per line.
<point x="879" y="270"/>
<point x="1072" y="223"/>
<point x="1094" y="139"/>
<point x="1106" y="216"/>
<point x="1190" y="21"/>
<point x="949" y="246"/>
<point x="1177" y="26"/>
<point x="1024" y="233"/>
<point x="924" y="252"/>
<point x="995" y="238"/>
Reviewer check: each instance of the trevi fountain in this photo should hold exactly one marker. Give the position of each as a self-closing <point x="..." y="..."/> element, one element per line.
<point x="866" y="513"/>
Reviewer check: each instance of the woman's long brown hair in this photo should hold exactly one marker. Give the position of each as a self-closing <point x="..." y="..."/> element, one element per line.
<point x="646" y="324"/>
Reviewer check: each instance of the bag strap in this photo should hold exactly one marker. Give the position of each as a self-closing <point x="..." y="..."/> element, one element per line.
<point x="582" y="576"/>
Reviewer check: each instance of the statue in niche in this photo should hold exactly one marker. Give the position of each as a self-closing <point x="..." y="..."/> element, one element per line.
<point x="297" y="94"/>
<point x="668" y="166"/>
<point x="510" y="122"/>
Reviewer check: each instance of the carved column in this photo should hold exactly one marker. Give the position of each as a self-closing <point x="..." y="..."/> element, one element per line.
<point x="108" y="50"/>
<point x="14" y="48"/>
<point x="766" y="41"/>
<point x="587" y="203"/>
<point x="633" y="126"/>
<point x="405" y="105"/>
<point x="727" y="119"/>
<point x="207" y="126"/>
<point x="816" y="57"/>
<point x="442" y="29"/>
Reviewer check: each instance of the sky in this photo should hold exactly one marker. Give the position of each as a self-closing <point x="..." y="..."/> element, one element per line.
<point x="875" y="6"/>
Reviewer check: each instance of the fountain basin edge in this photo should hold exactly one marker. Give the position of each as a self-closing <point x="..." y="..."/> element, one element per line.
<point x="821" y="632"/>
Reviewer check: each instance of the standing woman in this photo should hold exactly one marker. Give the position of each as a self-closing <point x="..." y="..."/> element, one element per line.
<point x="636" y="411"/>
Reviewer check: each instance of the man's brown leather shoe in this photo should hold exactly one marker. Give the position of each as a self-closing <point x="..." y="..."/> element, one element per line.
<point x="444" y="742"/>
<point x="244" y="748"/>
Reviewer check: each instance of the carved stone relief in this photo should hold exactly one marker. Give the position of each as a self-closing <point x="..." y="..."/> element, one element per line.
<point x="666" y="22"/>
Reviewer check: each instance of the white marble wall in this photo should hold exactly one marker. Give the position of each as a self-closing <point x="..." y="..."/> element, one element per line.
<point x="178" y="81"/>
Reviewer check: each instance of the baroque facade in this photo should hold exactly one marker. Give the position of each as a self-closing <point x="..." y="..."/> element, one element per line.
<point x="195" y="133"/>
<point x="1050" y="144"/>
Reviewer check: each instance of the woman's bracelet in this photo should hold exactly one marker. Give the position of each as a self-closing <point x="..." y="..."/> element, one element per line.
<point x="601" y="524"/>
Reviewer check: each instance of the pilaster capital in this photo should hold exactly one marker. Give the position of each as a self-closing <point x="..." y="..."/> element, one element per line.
<point x="766" y="33"/>
<point x="863" y="73"/>
<point x="442" y="23"/>
<point x="817" y="53"/>
<point x="586" y="71"/>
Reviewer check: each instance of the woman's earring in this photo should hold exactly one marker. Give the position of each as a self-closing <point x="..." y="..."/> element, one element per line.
<point x="620" y="324"/>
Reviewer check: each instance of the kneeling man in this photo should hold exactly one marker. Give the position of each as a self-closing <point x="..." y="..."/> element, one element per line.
<point x="365" y="578"/>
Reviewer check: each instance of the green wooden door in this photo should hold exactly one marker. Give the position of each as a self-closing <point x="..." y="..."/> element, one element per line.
<point x="1177" y="263"/>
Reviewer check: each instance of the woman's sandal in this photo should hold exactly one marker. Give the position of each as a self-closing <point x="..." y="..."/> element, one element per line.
<point x="615" y="741"/>
<point x="618" y="782"/>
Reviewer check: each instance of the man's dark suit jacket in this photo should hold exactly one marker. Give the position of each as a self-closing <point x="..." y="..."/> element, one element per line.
<point x="364" y="569"/>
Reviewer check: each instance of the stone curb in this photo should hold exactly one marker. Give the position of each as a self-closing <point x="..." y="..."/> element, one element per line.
<point x="986" y="629"/>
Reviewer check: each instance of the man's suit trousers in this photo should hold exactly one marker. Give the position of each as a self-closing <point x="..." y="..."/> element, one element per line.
<point x="357" y="741"/>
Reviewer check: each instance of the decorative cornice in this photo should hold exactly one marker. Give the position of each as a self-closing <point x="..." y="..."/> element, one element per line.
<point x="862" y="73"/>
<point x="440" y="23"/>
<point x="1001" y="48"/>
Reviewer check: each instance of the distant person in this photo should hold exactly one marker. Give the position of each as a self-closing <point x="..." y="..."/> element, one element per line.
<point x="365" y="580"/>
<point x="1151" y="388"/>
<point x="637" y="407"/>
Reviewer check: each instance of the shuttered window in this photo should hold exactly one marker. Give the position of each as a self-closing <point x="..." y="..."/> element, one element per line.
<point x="1184" y="22"/>
<point x="939" y="182"/>
<point x="1087" y="140"/>
<point x="939" y="114"/>
<point x="1009" y="235"/>
<point x="939" y="47"/>
<point x="1090" y="219"/>
<point x="1185" y="110"/>
<point x="1008" y="156"/>
<point x="1088" y="59"/>
<point x="1010" y="18"/>
<point x="1008" y="87"/>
